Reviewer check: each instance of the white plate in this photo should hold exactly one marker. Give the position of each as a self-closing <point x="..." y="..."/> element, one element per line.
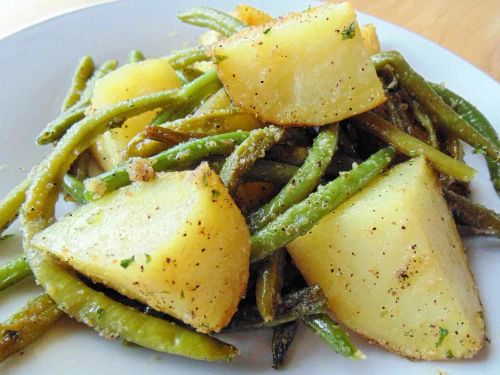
<point x="35" y="68"/>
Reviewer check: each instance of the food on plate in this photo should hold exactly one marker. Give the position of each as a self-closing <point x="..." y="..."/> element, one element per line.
<point x="284" y="171"/>
<point x="397" y="272"/>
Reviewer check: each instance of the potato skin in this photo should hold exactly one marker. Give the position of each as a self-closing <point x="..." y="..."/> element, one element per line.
<point x="178" y="244"/>
<point x="329" y="78"/>
<point x="393" y="268"/>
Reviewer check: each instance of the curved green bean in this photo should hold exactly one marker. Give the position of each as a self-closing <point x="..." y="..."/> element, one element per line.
<point x="412" y="146"/>
<point x="426" y="122"/>
<point x="82" y="74"/>
<point x="477" y="120"/>
<point x="479" y="218"/>
<point x="135" y="56"/>
<point x="270" y="171"/>
<point x="446" y="117"/>
<point x="34" y="319"/>
<point x="176" y="157"/>
<point x="13" y="272"/>
<point x="214" y="19"/>
<point x="333" y="335"/>
<point x="182" y="58"/>
<point x="245" y="155"/>
<point x="300" y="218"/>
<point x="74" y="188"/>
<point x="303" y="182"/>
<point x="58" y="127"/>
<point x="268" y="286"/>
<point x="10" y="205"/>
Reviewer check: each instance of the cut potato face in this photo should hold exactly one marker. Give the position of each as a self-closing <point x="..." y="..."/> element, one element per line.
<point x="178" y="244"/>
<point x="309" y="68"/>
<point x="129" y="81"/>
<point x="393" y="267"/>
<point x="370" y="38"/>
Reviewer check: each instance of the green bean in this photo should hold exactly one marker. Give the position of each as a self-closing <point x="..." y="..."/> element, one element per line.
<point x="295" y="155"/>
<point x="82" y="74"/>
<point x="263" y="171"/>
<point x="203" y="124"/>
<point x="10" y="205"/>
<point x="180" y="59"/>
<point x="477" y="120"/>
<point x="446" y="117"/>
<point x="268" y="286"/>
<point x="413" y="147"/>
<point x="189" y="74"/>
<point x="202" y="87"/>
<point x="25" y="326"/>
<point x="283" y="336"/>
<point x="74" y="188"/>
<point x="426" y="123"/>
<point x="13" y="272"/>
<point x="295" y="305"/>
<point x="245" y="155"/>
<point x="213" y="19"/>
<point x="58" y="127"/>
<point x="179" y="156"/>
<point x="303" y="182"/>
<point x="300" y="218"/>
<point x="333" y="335"/>
<point x="105" y="68"/>
<point x="479" y="218"/>
<point x="135" y="56"/>
<point x="73" y="296"/>
<point x="140" y="146"/>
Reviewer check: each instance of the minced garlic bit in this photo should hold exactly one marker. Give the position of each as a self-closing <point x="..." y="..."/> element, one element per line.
<point x="140" y="169"/>
<point x="95" y="186"/>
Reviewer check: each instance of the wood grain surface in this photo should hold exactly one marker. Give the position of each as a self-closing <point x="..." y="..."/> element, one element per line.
<point x="470" y="28"/>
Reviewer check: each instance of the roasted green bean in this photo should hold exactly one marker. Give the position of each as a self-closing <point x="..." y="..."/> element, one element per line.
<point x="412" y="146"/>
<point x="300" y="218"/>
<point x="447" y="119"/>
<point x="10" y="205"/>
<point x="479" y="218"/>
<point x="295" y="305"/>
<point x="333" y="335"/>
<point x="283" y="336"/>
<point x="213" y="19"/>
<point x="135" y="56"/>
<point x="268" y="285"/>
<point x="25" y="326"/>
<point x="74" y="188"/>
<point x="179" y="156"/>
<point x="82" y="74"/>
<point x="245" y="155"/>
<point x="303" y="182"/>
<point x="426" y="122"/>
<point x="13" y="272"/>
<point x="477" y="120"/>
<point x="182" y="58"/>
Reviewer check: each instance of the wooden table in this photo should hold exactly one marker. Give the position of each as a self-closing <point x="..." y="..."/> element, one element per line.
<point x="470" y="28"/>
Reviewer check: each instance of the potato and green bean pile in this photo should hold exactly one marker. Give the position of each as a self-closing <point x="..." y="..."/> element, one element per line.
<point x="283" y="171"/>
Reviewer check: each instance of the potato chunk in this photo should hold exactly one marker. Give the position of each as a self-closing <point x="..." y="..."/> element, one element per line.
<point x="308" y="68"/>
<point x="129" y="81"/>
<point x="178" y="244"/>
<point x="393" y="267"/>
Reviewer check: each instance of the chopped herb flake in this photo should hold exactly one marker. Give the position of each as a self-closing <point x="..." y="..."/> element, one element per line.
<point x="100" y="312"/>
<point x="349" y="31"/>
<point x="127" y="262"/>
<point x="449" y="354"/>
<point x="148" y="258"/>
<point x="266" y="31"/>
<point x="443" y="332"/>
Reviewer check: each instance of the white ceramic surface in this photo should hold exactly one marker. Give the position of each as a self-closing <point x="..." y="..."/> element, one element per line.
<point x="35" y="69"/>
